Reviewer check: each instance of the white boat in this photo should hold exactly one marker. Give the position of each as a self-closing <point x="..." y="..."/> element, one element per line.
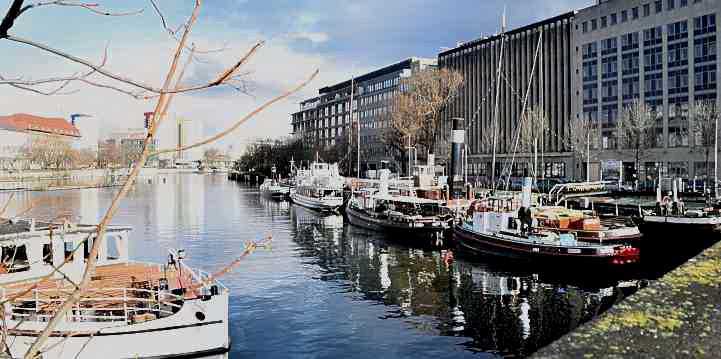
<point x="319" y="188"/>
<point x="130" y="309"/>
<point x="274" y="189"/>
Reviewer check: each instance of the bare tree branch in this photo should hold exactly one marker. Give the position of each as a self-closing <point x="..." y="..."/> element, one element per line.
<point x="87" y="6"/>
<point x="10" y="16"/>
<point x="242" y="120"/>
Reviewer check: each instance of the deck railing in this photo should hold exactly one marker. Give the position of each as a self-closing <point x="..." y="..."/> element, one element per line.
<point x="118" y="304"/>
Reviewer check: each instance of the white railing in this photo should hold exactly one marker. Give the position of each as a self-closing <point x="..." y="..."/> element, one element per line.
<point x="40" y="304"/>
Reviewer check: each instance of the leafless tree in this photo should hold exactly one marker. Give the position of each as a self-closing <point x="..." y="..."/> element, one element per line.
<point x="415" y="111"/>
<point x="532" y="130"/>
<point x="636" y="129"/>
<point x="705" y="119"/>
<point x="172" y="84"/>
<point x="49" y="153"/>
<point x="581" y="138"/>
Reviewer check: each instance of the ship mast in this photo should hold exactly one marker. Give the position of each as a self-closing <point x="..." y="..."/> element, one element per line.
<point x="498" y="93"/>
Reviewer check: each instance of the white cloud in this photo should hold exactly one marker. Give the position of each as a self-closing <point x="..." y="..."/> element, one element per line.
<point x="316" y="37"/>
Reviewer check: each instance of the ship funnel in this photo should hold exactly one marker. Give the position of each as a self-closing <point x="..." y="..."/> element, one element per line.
<point x="455" y="181"/>
<point x="526" y="194"/>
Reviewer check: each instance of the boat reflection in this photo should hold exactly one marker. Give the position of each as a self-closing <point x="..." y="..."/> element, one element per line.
<point x="500" y="309"/>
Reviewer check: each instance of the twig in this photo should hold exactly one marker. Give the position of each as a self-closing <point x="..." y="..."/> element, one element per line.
<point x="87" y="6"/>
<point x="242" y="120"/>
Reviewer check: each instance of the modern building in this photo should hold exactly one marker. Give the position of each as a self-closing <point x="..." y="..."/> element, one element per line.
<point x="548" y="76"/>
<point x="662" y="52"/>
<point x="177" y="132"/>
<point x="20" y="130"/>
<point x="325" y="120"/>
<point x="126" y="146"/>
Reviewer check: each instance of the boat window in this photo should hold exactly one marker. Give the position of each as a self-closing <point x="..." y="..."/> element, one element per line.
<point x="48" y="253"/>
<point x="113" y="247"/>
<point x="14" y="259"/>
<point x="69" y="251"/>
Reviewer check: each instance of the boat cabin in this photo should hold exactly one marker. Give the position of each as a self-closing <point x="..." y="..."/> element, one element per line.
<point x="31" y="249"/>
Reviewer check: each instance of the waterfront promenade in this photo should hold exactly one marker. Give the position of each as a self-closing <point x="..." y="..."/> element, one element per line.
<point x="677" y="316"/>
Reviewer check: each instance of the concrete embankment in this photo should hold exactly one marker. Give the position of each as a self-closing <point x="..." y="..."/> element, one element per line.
<point x="677" y="316"/>
<point x="71" y="179"/>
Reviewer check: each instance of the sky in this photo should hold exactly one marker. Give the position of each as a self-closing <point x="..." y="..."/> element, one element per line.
<point x="340" y="38"/>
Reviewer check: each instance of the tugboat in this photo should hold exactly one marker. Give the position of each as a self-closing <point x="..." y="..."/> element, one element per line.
<point x="129" y="310"/>
<point x="493" y="226"/>
<point x="319" y="188"/>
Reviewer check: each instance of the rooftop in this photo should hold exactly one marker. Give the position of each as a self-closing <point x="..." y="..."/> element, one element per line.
<point x="31" y="123"/>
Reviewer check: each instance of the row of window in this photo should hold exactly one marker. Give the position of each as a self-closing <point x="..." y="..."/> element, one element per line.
<point x="632" y="14"/>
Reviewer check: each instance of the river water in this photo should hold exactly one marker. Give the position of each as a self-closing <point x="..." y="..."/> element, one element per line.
<point x="329" y="290"/>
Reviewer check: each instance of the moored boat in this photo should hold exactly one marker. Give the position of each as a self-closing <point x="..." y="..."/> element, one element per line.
<point x="412" y="216"/>
<point x="319" y="188"/>
<point x="274" y="189"/>
<point x="489" y="228"/>
<point x="586" y="226"/>
<point x="130" y="309"/>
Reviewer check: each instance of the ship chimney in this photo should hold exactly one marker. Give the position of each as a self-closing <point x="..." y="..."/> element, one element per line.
<point x="455" y="181"/>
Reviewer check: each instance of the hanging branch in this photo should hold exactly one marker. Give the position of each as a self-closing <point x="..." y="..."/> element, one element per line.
<point x="242" y="120"/>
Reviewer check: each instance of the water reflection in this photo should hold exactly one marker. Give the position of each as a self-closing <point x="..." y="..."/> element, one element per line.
<point x="499" y="309"/>
<point x="329" y="290"/>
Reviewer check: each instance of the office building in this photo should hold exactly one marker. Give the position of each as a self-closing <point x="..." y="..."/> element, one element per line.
<point x="662" y="52"/>
<point x="550" y="86"/>
<point x="325" y="120"/>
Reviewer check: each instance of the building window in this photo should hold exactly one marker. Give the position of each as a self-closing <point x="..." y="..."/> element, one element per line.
<point x="609" y="66"/>
<point x="646" y="10"/>
<point x="654" y="85"/>
<point x="677" y="30"/>
<point x="634" y="13"/>
<point x="590" y="71"/>
<point x="653" y="60"/>
<point x="594" y="24"/>
<point x="704" y="24"/>
<point x="678" y="169"/>
<point x="590" y="94"/>
<point x="671" y="4"/>
<point x="652" y="36"/>
<point x="630" y="63"/>
<point x="678" y="54"/>
<point x="683" y="3"/>
<point x="609" y="91"/>
<point x="624" y="16"/>
<point x="603" y="22"/>
<point x="705" y="78"/>
<point x="630" y="88"/>
<point x="678" y="82"/>
<point x="589" y="50"/>
<point x="555" y="169"/>
<point x="629" y="41"/>
<point x="659" y="6"/>
<point x="705" y="49"/>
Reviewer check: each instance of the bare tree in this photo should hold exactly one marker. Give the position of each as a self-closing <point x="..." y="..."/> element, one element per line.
<point x="49" y="153"/>
<point x="705" y="119"/>
<point x="532" y="130"/>
<point x="581" y="139"/>
<point x="172" y="84"/>
<point x="636" y="129"/>
<point x="415" y="112"/>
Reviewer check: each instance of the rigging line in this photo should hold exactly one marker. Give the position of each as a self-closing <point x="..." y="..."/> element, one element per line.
<point x="524" y="117"/>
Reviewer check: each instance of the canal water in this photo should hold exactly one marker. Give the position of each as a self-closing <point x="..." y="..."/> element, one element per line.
<point x="328" y="290"/>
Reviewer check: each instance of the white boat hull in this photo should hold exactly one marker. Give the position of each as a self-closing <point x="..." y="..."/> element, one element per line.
<point x="320" y="204"/>
<point x="179" y="335"/>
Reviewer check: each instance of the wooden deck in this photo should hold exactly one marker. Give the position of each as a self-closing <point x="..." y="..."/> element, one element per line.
<point x="109" y="281"/>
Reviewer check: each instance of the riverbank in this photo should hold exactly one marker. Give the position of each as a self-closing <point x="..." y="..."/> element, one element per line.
<point x="77" y="179"/>
<point x="677" y="316"/>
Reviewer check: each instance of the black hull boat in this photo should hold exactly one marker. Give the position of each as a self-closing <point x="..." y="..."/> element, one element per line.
<point x="434" y="230"/>
<point x="539" y="248"/>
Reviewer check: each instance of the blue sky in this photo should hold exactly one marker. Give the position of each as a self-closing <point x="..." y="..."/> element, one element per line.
<point x="340" y="38"/>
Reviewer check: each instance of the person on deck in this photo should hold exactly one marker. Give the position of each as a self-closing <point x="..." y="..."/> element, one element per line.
<point x="666" y="204"/>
